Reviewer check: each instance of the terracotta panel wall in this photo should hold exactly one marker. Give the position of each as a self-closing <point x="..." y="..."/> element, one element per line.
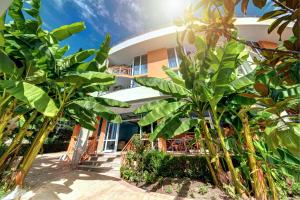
<point x="162" y="144"/>
<point x="73" y="140"/>
<point x="267" y="44"/>
<point x="157" y="59"/>
<point x="102" y="136"/>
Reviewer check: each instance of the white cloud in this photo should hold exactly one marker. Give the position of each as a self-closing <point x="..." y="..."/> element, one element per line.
<point x="92" y="8"/>
<point x="129" y="15"/>
<point x="90" y="11"/>
<point x="59" y="3"/>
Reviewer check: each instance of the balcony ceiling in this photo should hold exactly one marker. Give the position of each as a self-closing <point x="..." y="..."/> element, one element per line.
<point x="124" y="52"/>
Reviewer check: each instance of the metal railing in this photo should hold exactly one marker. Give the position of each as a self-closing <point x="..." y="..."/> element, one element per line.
<point x="120" y="70"/>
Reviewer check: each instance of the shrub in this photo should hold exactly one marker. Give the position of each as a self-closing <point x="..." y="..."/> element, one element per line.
<point x="166" y="165"/>
<point x="203" y="189"/>
<point x="153" y="164"/>
<point x="169" y="189"/>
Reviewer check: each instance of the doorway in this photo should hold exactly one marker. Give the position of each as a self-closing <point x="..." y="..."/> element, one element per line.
<point x="111" y="137"/>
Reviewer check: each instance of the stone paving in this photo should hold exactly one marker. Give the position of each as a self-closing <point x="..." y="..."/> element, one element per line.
<point x="51" y="179"/>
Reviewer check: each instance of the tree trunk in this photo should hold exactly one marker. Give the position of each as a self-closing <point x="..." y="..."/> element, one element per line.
<point x="47" y="127"/>
<point x="271" y="183"/>
<point x="211" y="169"/>
<point x="237" y="183"/>
<point x="258" y="183"/>
<point x="213" y="152"/>
<point x="19" y="137"/>
<point x="6" y="117"/>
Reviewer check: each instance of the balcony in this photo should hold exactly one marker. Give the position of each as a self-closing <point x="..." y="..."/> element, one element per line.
<point x="121" y="70"/>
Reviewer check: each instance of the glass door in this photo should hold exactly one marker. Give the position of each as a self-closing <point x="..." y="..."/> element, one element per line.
<point x="111" y="137"/>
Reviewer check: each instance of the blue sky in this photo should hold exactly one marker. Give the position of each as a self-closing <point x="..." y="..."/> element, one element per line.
<point x="121" y="18"/>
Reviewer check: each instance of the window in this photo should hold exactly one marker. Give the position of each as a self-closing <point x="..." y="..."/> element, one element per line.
<point x="173" y="59"/>
<point x="140" y="65"/>
<point x="144" y="68"/>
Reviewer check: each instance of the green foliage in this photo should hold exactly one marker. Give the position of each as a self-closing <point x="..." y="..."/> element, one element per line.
<point x="164" y="86"/>
<point x="38" y="80"/>
<point x="155" y="164"/>
<point x="66" y="31"/>
<point x="169" y="189"/>
<point x="32" y="95"/>
<point x="203" y="189"/>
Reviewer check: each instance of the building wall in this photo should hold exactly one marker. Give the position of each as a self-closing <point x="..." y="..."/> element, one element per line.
<point x="157" y="59"/>
<point x="102" y="135"/>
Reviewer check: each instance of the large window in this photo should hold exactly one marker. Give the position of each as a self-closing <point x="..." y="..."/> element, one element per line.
<point x="140" y="65"/>
<point x="173" y="59"/>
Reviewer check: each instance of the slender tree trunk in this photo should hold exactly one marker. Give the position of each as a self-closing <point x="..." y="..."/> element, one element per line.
<point x="257" y="183"/>
<point x="211" y="169"/>
<point x="213" y="152"/>
<point x="272" y="185"/>
<point x="19" y="137"/>
<point x="47" y="127"/>
<point x="7" y="115"/>
<point x="237" y="183"/>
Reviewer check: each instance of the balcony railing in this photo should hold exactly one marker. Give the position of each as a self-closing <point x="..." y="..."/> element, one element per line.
<point x="185" y="144"/>
<point x="120" y="70"/>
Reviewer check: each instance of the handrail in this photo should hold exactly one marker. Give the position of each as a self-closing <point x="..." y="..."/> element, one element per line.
<point x="126" y="148"/>
<point x="129" y="143"/>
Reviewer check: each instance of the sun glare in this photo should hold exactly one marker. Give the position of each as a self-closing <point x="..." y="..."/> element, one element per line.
<point x="174" y="8"/>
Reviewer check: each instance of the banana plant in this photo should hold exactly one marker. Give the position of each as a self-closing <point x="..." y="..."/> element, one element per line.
<point x="35" y="75"/>
<point x="206" y="78"/>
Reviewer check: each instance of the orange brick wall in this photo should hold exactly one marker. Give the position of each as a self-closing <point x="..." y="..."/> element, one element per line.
<point x="162" y="144"/>
<point x="102" y="135"/>
<point x="157" y="59"/>
<point x="73" y="140"/>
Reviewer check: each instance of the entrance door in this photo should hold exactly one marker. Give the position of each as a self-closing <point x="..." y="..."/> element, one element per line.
<point x="111" y="137"/>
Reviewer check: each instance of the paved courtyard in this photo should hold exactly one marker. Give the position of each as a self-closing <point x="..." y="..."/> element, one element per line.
<point x="51" y="179"/>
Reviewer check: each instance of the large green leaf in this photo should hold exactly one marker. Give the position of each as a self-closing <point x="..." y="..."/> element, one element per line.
<point x="102" y="54"/>
<point x="86" y="118"/>
<point x="35" y="8"/>
<point x="87" y="66"/>
<point x="147" y="107"/>
<point x="2" y="27"/>
<point x="31" y="95"/>
<point x="66" y="31"/>
<point x="243" y="82"/>
<point x="173" y="126"/>
<point x="110" y="102"/>
<point x="271" y="14"/>
<point x="159" y="113"/>
<point x="7" y="66"/>
<point x="99" y="109"/>
<point x="227" y="66"/>
<point x="78" y="57"/>
<point x="164" y="86"/>
<point x="15" y="11"/>
<point x="174" y="77"/>
<point x="88" y="78"/>
<point x="284" y="136"/>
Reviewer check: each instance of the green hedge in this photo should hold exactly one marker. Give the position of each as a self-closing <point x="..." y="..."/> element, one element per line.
<point x="153" y="164"/>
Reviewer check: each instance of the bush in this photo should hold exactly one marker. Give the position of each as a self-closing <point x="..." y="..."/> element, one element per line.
<point x="166" y="165"/>
<point x="147" y="166"/>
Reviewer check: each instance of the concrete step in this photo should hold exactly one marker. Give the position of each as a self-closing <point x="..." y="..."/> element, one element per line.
<point x="104" y="163"/>
<point x="105" y="158"/>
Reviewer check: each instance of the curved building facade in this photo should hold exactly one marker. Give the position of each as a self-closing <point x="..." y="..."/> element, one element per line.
<point x="144" y="56"/>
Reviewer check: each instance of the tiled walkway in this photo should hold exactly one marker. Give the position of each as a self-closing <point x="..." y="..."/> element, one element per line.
<point x="49" y="179"/>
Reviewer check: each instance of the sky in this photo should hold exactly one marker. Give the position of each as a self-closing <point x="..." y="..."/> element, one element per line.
<point x="122" y="19"/>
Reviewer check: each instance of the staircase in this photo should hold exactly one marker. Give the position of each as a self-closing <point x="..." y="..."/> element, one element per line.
<point x="104" y="163"/>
